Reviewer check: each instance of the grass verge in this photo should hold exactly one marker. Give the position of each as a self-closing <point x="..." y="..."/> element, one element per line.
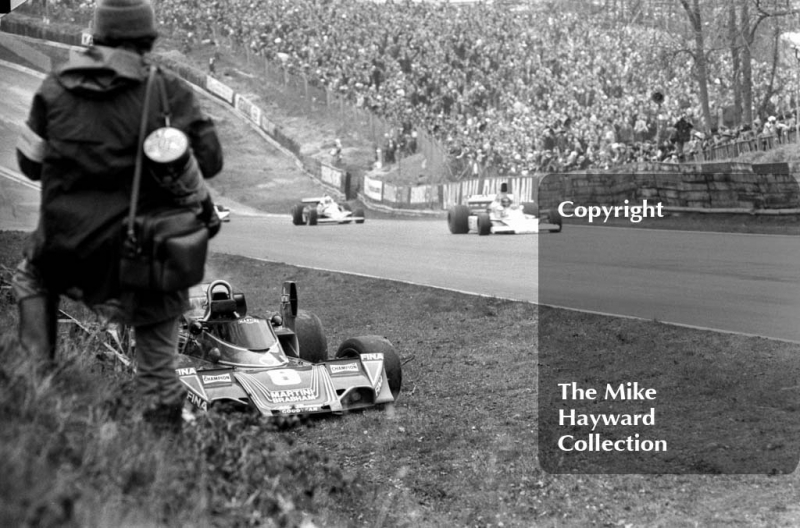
<point x="458" y="449"/>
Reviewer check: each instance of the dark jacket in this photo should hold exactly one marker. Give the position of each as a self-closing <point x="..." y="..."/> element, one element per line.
<point x="683" y="130"/>
<point x="87" y="114"/>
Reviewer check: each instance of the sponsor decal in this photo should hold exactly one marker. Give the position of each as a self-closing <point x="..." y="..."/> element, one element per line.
<point x="246" y="320"/>
<point x="296" y="410"/>
<point x="349" y="367"/>
<point x="217" y="379"/>
<point x="284" y="377"/>
<point x="197" y="401"/>
<point x="371" y="357"/>
<point x="292" y="395"/>
<point x="379" y="385"/>
<point x="186" y="371"/>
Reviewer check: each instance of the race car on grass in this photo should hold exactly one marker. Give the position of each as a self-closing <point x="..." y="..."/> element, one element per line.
<point x="278" y="366"/>
<point x="497" y="213"/>
<point x="324" y="210"/>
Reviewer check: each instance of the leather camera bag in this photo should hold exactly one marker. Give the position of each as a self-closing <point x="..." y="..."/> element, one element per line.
<point x="165" y="250"/>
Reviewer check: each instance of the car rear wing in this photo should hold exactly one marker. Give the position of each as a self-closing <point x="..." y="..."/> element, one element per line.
<point x="289" y="303"/>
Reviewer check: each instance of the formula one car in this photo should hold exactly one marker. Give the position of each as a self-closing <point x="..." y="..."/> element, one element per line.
<point x="278" y="366"/>
<point x="497" y="213"/>
<point x="324" y="210"/>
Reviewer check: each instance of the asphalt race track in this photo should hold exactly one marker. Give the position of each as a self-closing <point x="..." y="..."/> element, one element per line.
<point x="740" y="283"/>
<point x="19" y="202"/>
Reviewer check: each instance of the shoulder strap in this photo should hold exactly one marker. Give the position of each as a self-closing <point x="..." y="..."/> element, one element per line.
<point x="137" y="171"/>
<point x="162" y="90"/>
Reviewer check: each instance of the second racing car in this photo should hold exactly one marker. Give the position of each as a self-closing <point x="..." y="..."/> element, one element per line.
<point x="325" y="210"/>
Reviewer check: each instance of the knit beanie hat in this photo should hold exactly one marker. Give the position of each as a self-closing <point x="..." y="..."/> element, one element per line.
<point x="124" y="19"/>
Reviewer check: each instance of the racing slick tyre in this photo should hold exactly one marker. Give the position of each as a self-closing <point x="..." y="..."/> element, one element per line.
<point x="484" y="224"/>
<point x="359" y="212"/>
<point x="554" y="218"/>
<point x="530" y="208"/>
<point x="458" y="219"/>
<point x="312" y="217"/>
<point x="357" y="346"/>
<point x="310" y="337"/>
<point x="297" y="214"/>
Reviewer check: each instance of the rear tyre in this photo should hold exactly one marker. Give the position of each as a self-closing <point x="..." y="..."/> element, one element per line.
<point x="484" y="224"/>
<point x="357" y="346"/>
<point x="297" y="214"/>
<point x="554" y="218"/>
<point x="458" y="219"/>
<point x="530" y="208"/>
<point x="359" y="212"/>
<point x="310" y="337"/>
<point x="312" y="217"/>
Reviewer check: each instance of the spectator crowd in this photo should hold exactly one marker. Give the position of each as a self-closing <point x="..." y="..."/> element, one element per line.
<point x="521" y="90"/>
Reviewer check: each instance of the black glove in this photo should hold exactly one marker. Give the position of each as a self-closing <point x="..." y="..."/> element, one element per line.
<point x="209" y="217"/>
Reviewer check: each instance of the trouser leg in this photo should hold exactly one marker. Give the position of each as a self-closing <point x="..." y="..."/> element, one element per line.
<point x="161" y="390"/>
<point x="38" y="313"/>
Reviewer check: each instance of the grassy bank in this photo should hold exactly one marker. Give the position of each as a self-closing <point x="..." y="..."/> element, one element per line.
<point x="458" y="449"/>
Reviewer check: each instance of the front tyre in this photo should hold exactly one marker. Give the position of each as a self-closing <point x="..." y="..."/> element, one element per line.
<point x="359" y="213"/>
<point x="458" y="219"/>
<point x="357" y="346"/>
<point x="297" y="214"/>
<point x="312" y="217"/>
<point x="484" y="224"/>
<point x="555" y="218"/>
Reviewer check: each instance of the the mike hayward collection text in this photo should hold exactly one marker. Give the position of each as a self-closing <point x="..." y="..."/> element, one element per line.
<point x="628" y="391"/>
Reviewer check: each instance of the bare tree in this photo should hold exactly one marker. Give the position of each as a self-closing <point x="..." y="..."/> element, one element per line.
<point x="748" y="31"/>
<point x="699" y="54"/>
<point x="736" y="63"/>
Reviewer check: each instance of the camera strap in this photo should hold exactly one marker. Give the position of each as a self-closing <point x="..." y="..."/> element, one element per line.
<point x="137" y="170"/>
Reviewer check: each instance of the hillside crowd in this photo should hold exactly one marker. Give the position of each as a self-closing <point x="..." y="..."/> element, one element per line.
<point x="521" y="90"/>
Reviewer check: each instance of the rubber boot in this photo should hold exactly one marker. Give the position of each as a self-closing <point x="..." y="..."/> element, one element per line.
<point x="38" y="327"/>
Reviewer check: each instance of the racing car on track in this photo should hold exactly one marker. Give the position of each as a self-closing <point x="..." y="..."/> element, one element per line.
<point x="324" y="210"/>
<point x="497" y="213"/>
<point x="279" y="365"/>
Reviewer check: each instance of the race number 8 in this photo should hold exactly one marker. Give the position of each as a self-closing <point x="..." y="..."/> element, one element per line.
<point x="284" y="377"/>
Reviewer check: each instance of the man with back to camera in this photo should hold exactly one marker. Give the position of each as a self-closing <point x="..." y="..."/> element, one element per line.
<point x="81" y="142"/>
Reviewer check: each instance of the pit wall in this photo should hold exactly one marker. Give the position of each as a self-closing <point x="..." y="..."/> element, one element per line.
<point x="704" y="187"/>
